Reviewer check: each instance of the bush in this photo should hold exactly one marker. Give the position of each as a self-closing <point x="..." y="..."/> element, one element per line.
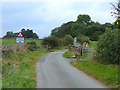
<point x="108" y="47"/>
<point x="62" y="42"/>
<point x="7" y="50"/>
<point x="69" y="39"/>
<point x="52" y="41"/>
<point x="32" y="46"/>
<point x="81" y="38"/>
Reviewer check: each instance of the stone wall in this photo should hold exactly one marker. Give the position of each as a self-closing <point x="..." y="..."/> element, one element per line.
<point x="6" y="49"/>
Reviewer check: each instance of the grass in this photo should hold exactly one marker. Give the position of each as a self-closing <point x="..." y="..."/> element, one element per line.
<point x="13" y="41"/>
<point x="19" y="70"/>
<point x="93" y="44"/>
<point x="107" y="74"/>
<point x="68" y="54"/>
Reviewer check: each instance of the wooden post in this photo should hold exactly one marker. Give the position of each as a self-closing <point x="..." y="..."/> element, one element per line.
<point x="48" y="47"/>
<point x="78" y="53"/>
<point x="69" y="47"/>
<point x="78" y="58"/>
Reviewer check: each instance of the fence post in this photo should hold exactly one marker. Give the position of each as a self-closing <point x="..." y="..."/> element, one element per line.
<point x="48" y="47"/>
<point x="78" y="53"/>
<point x="69" y="47"/>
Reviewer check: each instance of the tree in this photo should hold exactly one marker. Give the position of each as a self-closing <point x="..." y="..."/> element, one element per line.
<point x="81" y="38"/>
<point x="29" y="34"/>
<point x="116" y="13"/>
<point x="92" y="31"/>
<point x="77" y="29"/>
<point x="51" y="41"/>
<point x="9" y="34"/>
<point x="69" y="39"/>
<point x="63" y="30"/>
<point x="86" y="19"/>
<point x="108" y="25"/>
<point x="54" y="32"/>
<point x="83" y="25"/>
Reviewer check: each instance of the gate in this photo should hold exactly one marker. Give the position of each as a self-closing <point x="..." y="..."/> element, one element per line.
<point x="87" y="51"/>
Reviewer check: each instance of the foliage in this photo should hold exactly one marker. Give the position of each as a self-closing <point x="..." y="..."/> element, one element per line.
<point x="84" y="19"/>
<point x="69" y="39"/>
<point x="116" y="12"/>
<point x="62" y="42"/>
<point x="108" y="47"/>
<point x="108" y="25"/>
<point x="51" y="41"/>
<point x="81" y="38"/>
<point x="93" y="31"/>
<point x="32" y="46"/>
<point x="26" y="33"/>
<point x="29" y="34"/>
<point x="9" y="34"/>
<point x="83" y="25"/>
<point x="77" y="28"/>
<point x="54" y="42"/>
<point x="63" y="30"/>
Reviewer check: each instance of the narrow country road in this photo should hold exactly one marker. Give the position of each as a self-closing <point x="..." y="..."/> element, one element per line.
<point x="54" y="71"/>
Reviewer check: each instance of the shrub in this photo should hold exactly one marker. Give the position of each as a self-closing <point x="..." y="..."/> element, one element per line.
<point x="32" y="46"/>
<point x="69" y="39"/>
<point x="7" y="50"/>
<point x="81" y="38"/>
<point x="62" y="42"/>
<point x="52" y="41"/>
<point x="108" y="47"/>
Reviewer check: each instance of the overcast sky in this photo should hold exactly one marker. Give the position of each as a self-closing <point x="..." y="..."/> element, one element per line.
<point x="44" y="15"/>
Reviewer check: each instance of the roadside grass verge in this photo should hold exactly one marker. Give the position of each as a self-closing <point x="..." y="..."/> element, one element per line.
<point x="68" y="54"/>
<point x="107" y="74"/>
<point x="18" y="70"/>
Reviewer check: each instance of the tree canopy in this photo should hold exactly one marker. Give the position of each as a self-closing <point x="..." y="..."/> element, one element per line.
<point x="26" y="33"/>
<point x="29" y="33"/>
<point x="82" y="26"/>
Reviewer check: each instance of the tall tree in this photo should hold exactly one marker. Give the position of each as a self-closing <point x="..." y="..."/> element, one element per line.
<point x="63" y="30"/>
<point x="29" y="33"/>
<point x="116" y="13"/>
<point x="86" y="19"/>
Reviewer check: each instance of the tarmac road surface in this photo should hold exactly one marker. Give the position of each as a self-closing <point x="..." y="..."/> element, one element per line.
<point x="54" y="71"/>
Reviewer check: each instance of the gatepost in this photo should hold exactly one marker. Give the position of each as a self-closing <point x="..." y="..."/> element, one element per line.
<point x="79" y="53"/>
